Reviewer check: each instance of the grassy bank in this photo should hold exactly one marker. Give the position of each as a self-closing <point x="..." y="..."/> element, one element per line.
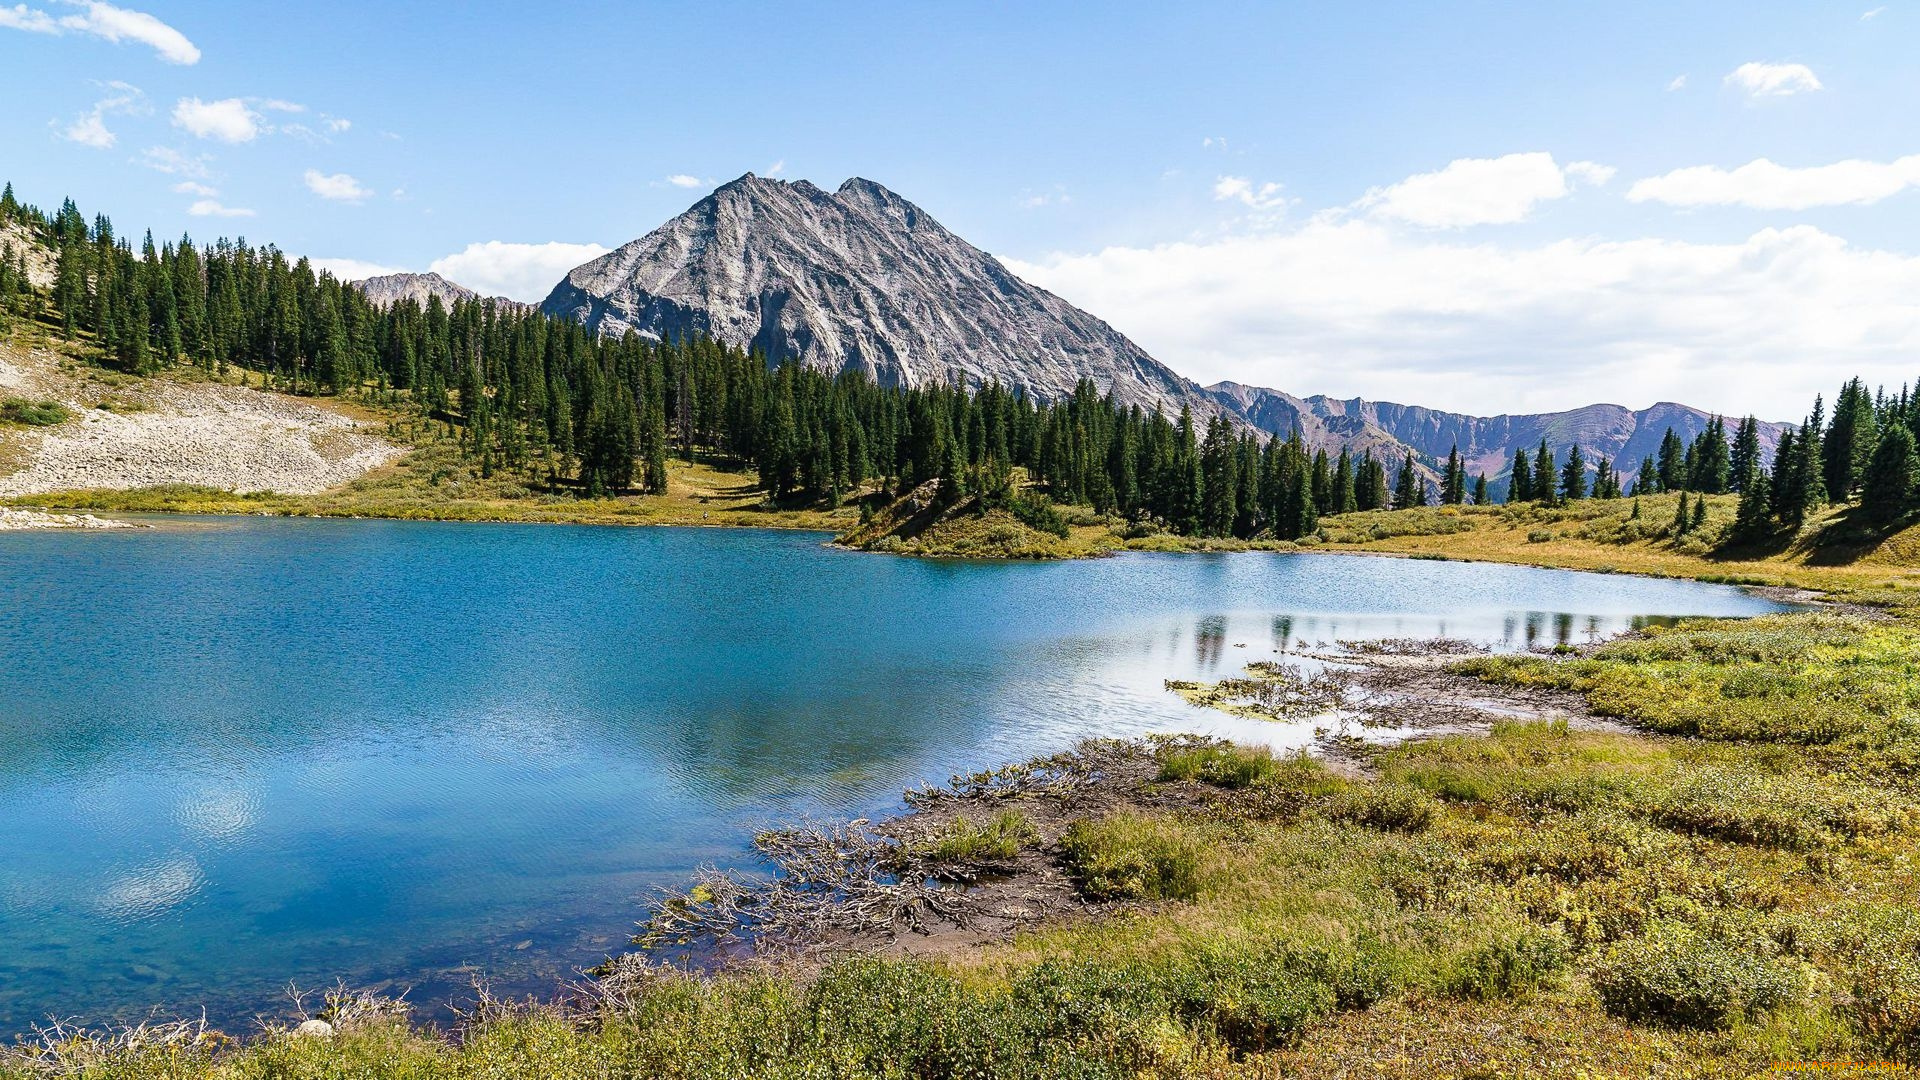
<point x="436" y="483"/>
<point x="1728" y="886"/>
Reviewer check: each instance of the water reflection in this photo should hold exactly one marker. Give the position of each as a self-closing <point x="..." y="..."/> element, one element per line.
<point x="285" y="750"/>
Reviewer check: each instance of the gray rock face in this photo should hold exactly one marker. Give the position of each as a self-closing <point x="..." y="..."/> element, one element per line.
<point x="860" y="279"/>
<point x="390" y="289"/>
<point x="1486" y="443"/>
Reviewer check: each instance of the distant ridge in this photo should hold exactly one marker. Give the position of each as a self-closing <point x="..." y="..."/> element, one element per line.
<point x="1486" y="443"/>
<point x="388" y="289"/>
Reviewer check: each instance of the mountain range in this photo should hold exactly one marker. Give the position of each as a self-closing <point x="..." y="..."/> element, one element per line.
<point x="861" y="279"/>
<point x="391" y="288"/>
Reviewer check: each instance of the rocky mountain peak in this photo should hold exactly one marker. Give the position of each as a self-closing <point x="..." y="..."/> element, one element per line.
<point x="389" y="289"/>
<point x="856" y="279"/>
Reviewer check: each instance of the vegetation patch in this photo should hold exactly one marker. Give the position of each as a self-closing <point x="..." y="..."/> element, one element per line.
<point x="33" y="413"/>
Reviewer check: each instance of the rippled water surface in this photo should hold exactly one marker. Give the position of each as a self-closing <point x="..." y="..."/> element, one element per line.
<point x="240" y="753"/>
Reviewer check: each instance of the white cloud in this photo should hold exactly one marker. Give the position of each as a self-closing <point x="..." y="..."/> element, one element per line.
<point x="167" y="160"/>
<point x="90" y="127"/>
<point x="338" y="124"/>
<point x="1763" y="185"/>
<point x="1213" y="141"/>
<point x="1471" y="191"/>
<point x="228" y="120"/>
<point x="212" y="208"/>
<point x="105" y="21"/>
<point x="1590" y="172"/>
<point x="277" y="105"/>
<point x="1268" y="196"/>
<point x="682" y="180"/>
<point x="354" y="269"/>
<point x="336" y="187"/>
<point x="526" y="272"/>
<point x="188" y="187"/>
<point x="1868" y="16"/>
<point x="1354" y="307"/>
<point x="777" y="167"/>
<point x="1772" y="80"/>
<point x="1679" y="83"/>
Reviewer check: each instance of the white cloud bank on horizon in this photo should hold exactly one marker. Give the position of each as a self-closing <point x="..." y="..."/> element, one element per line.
<point x="353" y="269"/>
<point x="524" y="272"/>
<point x="1352" y="307"/>
<point x="1763" y="185"/>
<point x="1480" y="191"/>
<point x="107" y="22"/>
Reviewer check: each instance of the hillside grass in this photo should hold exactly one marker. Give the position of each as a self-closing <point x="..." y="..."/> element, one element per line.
<point x="434" y="482"/>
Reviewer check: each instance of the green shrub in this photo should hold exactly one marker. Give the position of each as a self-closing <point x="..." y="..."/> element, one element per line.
<point x="1038" y="513"/>
<point x="1132" y="857"/>
<point x="1673" y="975"/>
<point x="33" y="414"/>
<point x="1386" y="804"/>
<point x="1220" y="764"/>
<point x="1508" y="962"/>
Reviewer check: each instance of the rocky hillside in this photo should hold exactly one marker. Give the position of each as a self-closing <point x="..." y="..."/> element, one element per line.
<point x="392" y="288"/>
<point x="1486" y="443"/>
<point x="857" y="278"/>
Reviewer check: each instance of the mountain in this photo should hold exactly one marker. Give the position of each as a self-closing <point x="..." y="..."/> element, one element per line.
<point x="860" y="278"/>
<point x="857" y="279"/>
<point x="392" y="288"/>
<point x="1486" y="443"/>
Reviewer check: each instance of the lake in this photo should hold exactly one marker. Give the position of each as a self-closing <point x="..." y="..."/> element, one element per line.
<point x="239" y="753"/>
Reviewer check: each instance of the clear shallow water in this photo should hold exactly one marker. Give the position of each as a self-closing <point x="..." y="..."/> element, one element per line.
<point x="239" y="753"/>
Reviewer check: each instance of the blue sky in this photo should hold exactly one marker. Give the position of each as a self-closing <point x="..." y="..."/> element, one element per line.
<point x="1372" y="200"/>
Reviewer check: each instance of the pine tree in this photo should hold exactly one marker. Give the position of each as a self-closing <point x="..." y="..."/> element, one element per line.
<point x="1782" y="480"/>
<point x="1520" y="479"/>
<point x="1699" y="513"/>
<point x="1681" y="520"/>
<point x="1606" y="483"/>
<point x="1755" y="519"/>
<point x="1453" y="489"/>
<point x="1744" y="460"/>
<point x="1545" y="479"/>
<point x="1407" y="489"/>
<point x="1480" y="490"/>
<point x="1343" y="484"/>
<point x="1671" y="470"/>
<point x="1647" y="480"/>
<point x="1851" y="441"/>
<point x="1573" y="478"/>
<point x="1888" y="485"/>
<point x="1710" y="467"/>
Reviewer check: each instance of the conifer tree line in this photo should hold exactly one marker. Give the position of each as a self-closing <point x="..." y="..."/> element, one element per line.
<point x="546" y="400"/>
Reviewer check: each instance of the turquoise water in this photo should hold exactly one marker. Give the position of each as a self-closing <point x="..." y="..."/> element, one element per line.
<point x="239" y="753"/>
